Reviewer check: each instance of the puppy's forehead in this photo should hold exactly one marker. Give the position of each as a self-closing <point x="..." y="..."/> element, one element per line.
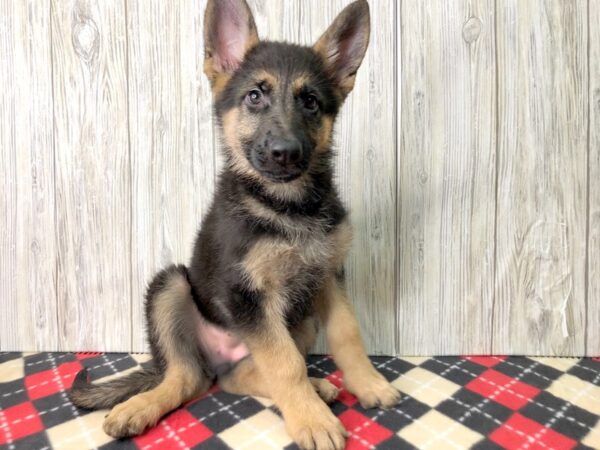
<point x="282" y="63"/>
<point x="295" y="82"/>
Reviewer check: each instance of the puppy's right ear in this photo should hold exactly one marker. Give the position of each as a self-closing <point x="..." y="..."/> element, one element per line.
<point x="229" y="32"/>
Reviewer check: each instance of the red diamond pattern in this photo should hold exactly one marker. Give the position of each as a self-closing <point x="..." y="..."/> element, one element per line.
<point x="363" y="431"/>
<point x="519" y="432"/>
<point x="503" y="389"/>
<point x="48" y="382"/>
<point x="18" y="421"/>
<point x="178" y="430"/>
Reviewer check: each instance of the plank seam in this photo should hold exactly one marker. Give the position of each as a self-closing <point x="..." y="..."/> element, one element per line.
<point x="397" y="54"/>
<point x="59" y="344"/>
<point x="588" y="204"/>
<point x="131" y="187"/>
<point x="496" y="169"/>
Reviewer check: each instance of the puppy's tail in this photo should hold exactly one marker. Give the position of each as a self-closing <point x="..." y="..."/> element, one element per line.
<point x="106" y="395"/>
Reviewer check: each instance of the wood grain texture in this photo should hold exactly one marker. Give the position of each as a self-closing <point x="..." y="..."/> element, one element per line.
<point x="89" y="53"/>
<point x="27" y="250"/>
<point x="542" y="178"/>
<point x="171" y="136"/>
<point x="446" y="171"/>
<point x="593" y="204"/>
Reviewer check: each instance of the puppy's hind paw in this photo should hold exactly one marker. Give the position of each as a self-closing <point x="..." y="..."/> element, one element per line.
<point x="131" y="418"/>
<point x="326" y="390"/>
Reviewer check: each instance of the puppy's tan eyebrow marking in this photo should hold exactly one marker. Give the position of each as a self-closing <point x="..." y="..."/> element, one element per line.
<point x="264" y="77"/>
<point x="299" y="83"/>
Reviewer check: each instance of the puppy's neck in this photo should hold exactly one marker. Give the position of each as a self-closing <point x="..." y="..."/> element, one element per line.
<point x="304" y="196"/>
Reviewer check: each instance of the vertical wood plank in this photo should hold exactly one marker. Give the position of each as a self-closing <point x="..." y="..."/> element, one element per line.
<point x="366" y="141"/>
<point x="27" y="250"/>
<point x="171" y="135"/>
<point x="446" y="171"/>
<point x="542" y="176"/>
<point x="89" y="54"/>
<point x="593" y="261"/>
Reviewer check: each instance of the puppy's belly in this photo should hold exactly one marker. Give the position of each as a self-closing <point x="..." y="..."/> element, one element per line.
<point x="222" y="348"/>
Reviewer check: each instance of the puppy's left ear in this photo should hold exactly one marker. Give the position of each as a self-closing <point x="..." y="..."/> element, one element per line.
<point x="344" y="44"/>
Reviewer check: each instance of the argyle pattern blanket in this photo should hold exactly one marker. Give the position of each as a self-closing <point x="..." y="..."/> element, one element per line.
<point x="448" y="403"/>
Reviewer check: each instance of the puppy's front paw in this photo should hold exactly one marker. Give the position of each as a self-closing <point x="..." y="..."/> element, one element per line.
<point x="372" y="390"/>
<point x="316" y="428"/>
<point x="131" y="418"/>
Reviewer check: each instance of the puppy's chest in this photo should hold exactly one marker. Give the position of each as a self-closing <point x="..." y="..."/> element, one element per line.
<point x="273" y="264"/>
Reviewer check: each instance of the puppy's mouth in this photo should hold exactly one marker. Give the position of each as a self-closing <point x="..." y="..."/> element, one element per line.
<point x="274" y="171"/>
<point x="281" y="177"/>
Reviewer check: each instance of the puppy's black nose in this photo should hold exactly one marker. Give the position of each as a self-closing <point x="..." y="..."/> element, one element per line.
<point x="285" y="151"/>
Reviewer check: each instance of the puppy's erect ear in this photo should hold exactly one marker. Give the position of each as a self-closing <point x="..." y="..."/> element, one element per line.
<point x="229" y="32"/>
<point x="344" y="44"/>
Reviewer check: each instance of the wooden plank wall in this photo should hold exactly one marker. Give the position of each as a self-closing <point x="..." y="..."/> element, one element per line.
<point x="92" y="185"/>
<point x="542" y="180"/>
<point x="28" y="250"/>
<point x="469" y="155"/>
<point x="446" y="168"/>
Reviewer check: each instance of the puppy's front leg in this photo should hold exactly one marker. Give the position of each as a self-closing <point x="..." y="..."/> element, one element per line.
<point x="348" y="350"/>
<point x="309" y="421"/>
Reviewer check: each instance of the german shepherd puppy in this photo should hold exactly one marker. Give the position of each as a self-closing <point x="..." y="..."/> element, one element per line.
<point x="268" y="259"/>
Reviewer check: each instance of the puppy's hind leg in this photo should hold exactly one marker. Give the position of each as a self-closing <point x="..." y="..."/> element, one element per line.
<point x="172" y="334"/>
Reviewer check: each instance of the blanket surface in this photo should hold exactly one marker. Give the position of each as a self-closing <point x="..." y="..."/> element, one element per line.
<point x="448" y="403"/>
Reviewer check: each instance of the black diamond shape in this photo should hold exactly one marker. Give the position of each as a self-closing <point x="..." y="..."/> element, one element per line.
<point x="458" y="370"/>
<point x="396" y="418"/>
<point x="587" y="369"/>
<point x="474" y="411"/>
<point x="393" y="368"/>
<point x="108" y="364"/>
<point x="12" y="393"/>
<point x="39" y="362"/>
<point x="56" y="409"/>
<point x="221" y="410"/>
<point x="575" y="423"/>
<point x="37" y="440"/>
<point x="528" y="371"/>
<point x="320" y="366"/>
<point x="246" y="408"/>
<point x="338" y="408"/>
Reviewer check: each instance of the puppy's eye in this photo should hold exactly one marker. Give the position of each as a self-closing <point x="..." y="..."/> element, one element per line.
<point x="311" y="103"/>
<point x="254" y="97"/>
